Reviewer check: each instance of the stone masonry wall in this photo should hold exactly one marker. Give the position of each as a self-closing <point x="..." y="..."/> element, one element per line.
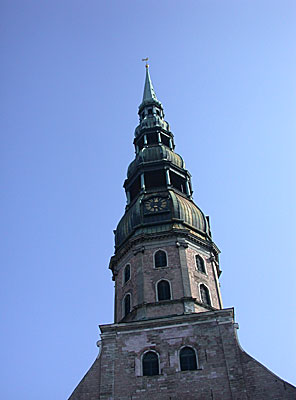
<point x="225" y="371"/>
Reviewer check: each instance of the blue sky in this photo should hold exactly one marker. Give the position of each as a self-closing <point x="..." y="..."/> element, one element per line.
<point x="72" y="80"/>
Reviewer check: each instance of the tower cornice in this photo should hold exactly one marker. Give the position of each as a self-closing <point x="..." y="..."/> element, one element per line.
<point x="137" y="244"/>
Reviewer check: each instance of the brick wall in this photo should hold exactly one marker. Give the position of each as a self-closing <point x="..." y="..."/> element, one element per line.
<point x="224" y="371"/>
<point x="181" y="272"/>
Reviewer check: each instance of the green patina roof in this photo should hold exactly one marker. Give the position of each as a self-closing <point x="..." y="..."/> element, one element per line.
<point x="188" y="212"/>
<point x="155" y="153"/>
<point x="149" y="94"/>
<point x="183" y="212"/>
<point x="180" y="212"/>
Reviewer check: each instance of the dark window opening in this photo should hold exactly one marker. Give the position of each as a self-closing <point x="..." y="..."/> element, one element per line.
<point x="163" y="290"/>
<point x="149" y="111"/>
<point x="127" y="273"/>
<point x="155" y="179"/>
<point x="143" y="115"/>
<point x="158" y="113"/>
<point x="165" y="140"/>
<point x="160" y="259"/>
<point x="152" y="138"/>
<point x="135" y="187"/>
<point x="188" y="359"/>
<point x="140" y="143"/>
<point x="205" y="295"/>
<point x="150" y="364"/>
<point x="178" y="182"/>
<point x="127" y="304"/>
<point x="200" y="265"/>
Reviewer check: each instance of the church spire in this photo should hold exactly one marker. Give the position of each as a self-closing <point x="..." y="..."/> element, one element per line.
<point x="149" y="95"/>
<point x="149" y="92"/>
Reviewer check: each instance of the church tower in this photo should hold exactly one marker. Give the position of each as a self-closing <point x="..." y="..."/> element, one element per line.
<point x="165" y="261"/>
<point x="171" y="338"/>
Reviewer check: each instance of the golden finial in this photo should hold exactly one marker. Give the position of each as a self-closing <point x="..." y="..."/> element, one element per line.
<point x="146" y="60"/>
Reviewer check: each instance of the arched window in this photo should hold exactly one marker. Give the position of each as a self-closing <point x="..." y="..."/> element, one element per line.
<point x="163" y="290"/>
<point x="127" y="304"/>
<point x="205" y="295"/>
<point x="160" y="259"/>
<point x="127" y="273"/>
<point x="150" y="364"/>
<point x="187" y="359"/>
<point x="200" y="264"/>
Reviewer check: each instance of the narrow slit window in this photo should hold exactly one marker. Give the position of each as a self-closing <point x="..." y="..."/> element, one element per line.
<point x="135" y="187"/>
<point x="127" y="304"/>
<point x="127" y="273"/>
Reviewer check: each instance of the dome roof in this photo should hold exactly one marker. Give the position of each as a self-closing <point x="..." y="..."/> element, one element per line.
<point x="155" y="153"/>
<point x="182" y="213"/>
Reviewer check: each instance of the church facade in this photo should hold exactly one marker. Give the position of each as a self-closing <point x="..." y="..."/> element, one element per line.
<point x="171" y="338"/>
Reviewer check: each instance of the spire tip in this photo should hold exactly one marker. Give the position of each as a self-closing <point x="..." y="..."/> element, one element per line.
<point x="146" y="62"/>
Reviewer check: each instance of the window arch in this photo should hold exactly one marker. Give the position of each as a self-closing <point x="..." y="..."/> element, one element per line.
<point x="150" y="364"/>
<point x="160" y="259"/>
<point x="163" y="290"/>
<point x="187" y="359"/>
<point x="200" y="264"/>
<point x="205" y="295"/>
<point x="127" y="304"/>
<point x="126" y="273"/>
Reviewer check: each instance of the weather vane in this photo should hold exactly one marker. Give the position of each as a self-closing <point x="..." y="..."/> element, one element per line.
<point x="146" y="60"/>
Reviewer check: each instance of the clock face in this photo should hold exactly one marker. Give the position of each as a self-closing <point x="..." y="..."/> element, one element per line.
<point x="156" y="204"/>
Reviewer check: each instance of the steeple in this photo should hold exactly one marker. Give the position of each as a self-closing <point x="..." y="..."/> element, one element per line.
<point x="149" y="94"/>
<point x="156" y="168"/>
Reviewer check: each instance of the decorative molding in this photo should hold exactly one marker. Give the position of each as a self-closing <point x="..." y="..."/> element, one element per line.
<point x="181" y="243"/>
<point x="227" y="315"/>
<point x="183" y="233"/>
<point x="138" y="250"/>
